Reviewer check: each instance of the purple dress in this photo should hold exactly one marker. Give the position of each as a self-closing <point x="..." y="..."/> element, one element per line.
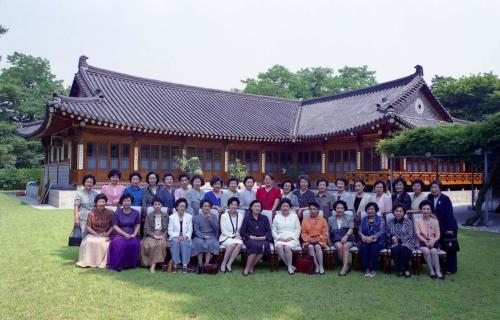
<point x="124" y="253"/>
<point x="258" y="228"/>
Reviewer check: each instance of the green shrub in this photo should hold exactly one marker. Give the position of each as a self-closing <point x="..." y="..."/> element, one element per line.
<point x="16" y="179"/>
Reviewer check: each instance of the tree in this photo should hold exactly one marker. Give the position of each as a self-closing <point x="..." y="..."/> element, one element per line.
<point x="189" y="164"/>
<point x="308" y="83"/>
<point x="3" y="31"/>
<point x="25" y="86"/>
<point x="455" y="140"/>
<point x="237" y="170"/>
<point x="471" y="97"/>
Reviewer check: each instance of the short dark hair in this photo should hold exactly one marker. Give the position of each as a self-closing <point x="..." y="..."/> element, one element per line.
<point x="156" y="199"/>
<point x="114" y="172"/>
<point x="419" y="181"/>
<point x="438" y="183"/>
<point x="360" y="181"/>
<point x="254" y="202"/>
<point x="424" y="203"/>
<point x="183" y="175"/>
<point x="399" y="205"/>
<point x="233" y="199"/>
<point x="88" y="176"/>
<point x="372" y="204"/>
<point x="178" y="201"/>
<point x="342" y="202"/>
<point x="398" y="180"/>
<point x="268" y="175"/>
<point x="199" y="177"/>
<point x="285" y="200"/>
<point x="306" y="178"/>
<point x="384" y="186"/>
<point x="167" y="174"/>
<point x="344" y="180"/>
<point x="152" y="173"/>
<point x="248" y="178"/>
<point x="314" y="204"/>
<point x="290" y="182"/>
<point x="233" y="179"/>
<point x="134" y="174"/>
<point x="322" y="180"/>
<point x="126" y="196"/>
<point x="203" y="201"/>
<point x="214" y="180"/>
<point x="99" y="197"/>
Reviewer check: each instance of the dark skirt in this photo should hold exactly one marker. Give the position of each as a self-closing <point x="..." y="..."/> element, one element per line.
<point x="123" y="253"/>
<point x="257" y="247"/>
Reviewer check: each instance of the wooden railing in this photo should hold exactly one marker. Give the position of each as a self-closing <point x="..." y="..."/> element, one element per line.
<point x="446" y="178"/>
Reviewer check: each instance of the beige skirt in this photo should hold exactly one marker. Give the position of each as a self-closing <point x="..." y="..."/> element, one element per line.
<point x="93" y="252"/>
<point x="153" y="251"/>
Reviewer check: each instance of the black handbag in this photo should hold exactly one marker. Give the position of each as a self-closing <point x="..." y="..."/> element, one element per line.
<point x="75" y="238"/>
<point x="450" y="243"/>
<point x="337" y="235"/>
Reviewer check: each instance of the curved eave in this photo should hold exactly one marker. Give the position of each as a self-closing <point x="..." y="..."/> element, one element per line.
<point x="36" y="129"/>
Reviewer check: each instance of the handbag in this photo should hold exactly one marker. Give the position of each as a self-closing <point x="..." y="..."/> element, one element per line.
<point x="211" y="268"/>
<point x="305" y="264"/>
<point x="337" y="235"/>
<point x="450" y="243"/>
<point x="75" y="238"/>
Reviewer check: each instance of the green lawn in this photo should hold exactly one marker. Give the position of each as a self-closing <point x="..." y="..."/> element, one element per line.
<point x="38" y="280"/>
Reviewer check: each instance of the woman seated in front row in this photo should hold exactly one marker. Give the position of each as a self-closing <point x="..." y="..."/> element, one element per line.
<point x="315" y="236"/>
<point x="94" y="247"/>
<point x="256" y="232"/>
<point x="372" y="234"/>
<point x="402" y="242"/>
<point x="125" y="246"/>
<point x="286" y="233"/>
<point x="154" y="244"/>
<point x="180" y="229"/>
<point x="230" y="238"/>
<point x="205" y="242"/>
<point x="341" y="229"/>
<point x="428" y="234"/>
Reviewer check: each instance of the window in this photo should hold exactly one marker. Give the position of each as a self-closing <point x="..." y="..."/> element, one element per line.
<point x="310" y="161"/>
<point x="115" y="155"/>
<point x="102" y="154"/>
<point x="210" y="158"/>
<point x="249" y="158"/>
<point x="371" y="160"/>
<point x="159" y="157"/>
<point x="145" y="157"/>
<point x="276" y="161"/>
<point x="349" y="160"/>
<point x="335" y="161"/>
<point x="125" y="157"/>
<point x="91" y="155"/>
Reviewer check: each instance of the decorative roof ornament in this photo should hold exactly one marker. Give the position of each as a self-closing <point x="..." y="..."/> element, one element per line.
<point x="419" y="70"/>
<point x="82" y="62"/>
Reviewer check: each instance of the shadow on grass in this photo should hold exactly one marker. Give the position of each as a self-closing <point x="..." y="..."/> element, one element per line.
<point x="215" y="296"/>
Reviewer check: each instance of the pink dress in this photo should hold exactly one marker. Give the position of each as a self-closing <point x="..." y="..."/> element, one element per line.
<point x="112" y="192"/>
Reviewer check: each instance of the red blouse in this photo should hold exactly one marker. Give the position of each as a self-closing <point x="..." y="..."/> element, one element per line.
<point x="268" y="198"/>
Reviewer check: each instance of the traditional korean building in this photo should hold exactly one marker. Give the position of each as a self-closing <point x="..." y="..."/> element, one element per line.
<point x="115" y="120"/>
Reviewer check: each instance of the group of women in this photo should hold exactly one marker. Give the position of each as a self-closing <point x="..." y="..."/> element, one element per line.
<point x="194" y="223"/>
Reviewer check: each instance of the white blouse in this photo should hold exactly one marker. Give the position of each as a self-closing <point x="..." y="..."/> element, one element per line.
<point x="230" y="226"/>
<point x="284" y="227"/>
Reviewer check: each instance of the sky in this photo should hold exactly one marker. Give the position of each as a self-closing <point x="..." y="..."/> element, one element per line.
<point x="218" y="43"/>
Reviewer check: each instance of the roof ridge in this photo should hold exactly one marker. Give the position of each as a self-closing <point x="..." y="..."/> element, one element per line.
<point x="144" y="80"/>
<point x="378" y="87"/>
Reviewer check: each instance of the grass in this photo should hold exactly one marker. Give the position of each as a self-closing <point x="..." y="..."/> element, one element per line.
<point x="38" y="280"/>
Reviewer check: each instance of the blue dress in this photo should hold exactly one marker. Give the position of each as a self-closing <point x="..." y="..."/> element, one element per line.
<point x="213" y="198"/>
<point x="136" y="192"/>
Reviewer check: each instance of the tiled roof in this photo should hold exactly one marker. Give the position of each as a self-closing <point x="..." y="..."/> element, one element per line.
<point x="121" y="100"/>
